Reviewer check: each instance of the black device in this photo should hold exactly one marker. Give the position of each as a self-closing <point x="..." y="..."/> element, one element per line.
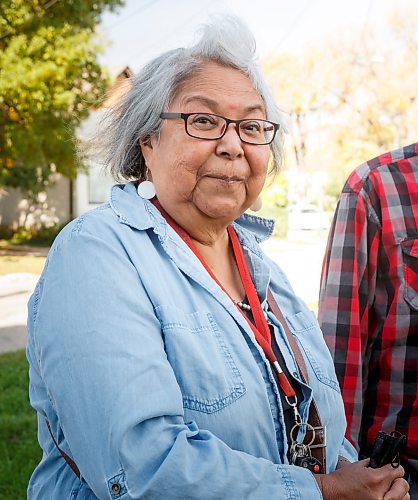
<point x="386" y="449"/>
<point x="309" y="462"/>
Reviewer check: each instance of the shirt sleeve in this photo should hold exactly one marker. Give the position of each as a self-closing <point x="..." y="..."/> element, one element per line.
<point x="348" y="451"/>
<point x="101" y="354"/>
<point x="346" y="296"/>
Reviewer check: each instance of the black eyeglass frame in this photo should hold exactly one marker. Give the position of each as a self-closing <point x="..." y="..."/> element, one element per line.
<point x="185" y="116"/>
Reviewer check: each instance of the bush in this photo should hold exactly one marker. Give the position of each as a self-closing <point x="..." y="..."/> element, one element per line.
<point x="275" y="203"/>
<point x="280" y="217"/>
<point x="41" y="236"/>
<point x="6" y="232"/>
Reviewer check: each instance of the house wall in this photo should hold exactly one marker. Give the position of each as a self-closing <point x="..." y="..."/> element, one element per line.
<point x="54" y="207"/>
<point x="91" y="190"/>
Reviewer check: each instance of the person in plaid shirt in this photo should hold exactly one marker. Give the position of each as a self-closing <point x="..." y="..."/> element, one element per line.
<point x="368" y="307"/>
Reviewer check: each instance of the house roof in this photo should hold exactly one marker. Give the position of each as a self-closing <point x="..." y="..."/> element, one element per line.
<point x="119" y="88"/>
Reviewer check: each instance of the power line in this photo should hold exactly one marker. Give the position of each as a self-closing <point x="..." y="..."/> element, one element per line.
<point x="131" y="15"/>
<point x="296" y="20"/>
<point x="366" y="18"/>
<point x="167" y="35"/>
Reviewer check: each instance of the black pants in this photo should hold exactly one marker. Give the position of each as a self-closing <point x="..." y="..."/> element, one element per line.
<point x="412" y="477"/>
<point x="413" y="492"/>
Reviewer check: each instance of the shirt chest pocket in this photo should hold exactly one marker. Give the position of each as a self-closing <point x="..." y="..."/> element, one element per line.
<point x="305" y="327"/>
<point x="410" y="270"/>
<point x="205" y="370"/>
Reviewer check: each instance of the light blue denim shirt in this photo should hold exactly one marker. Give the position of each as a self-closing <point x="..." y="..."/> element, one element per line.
<point x="150" y="377"/>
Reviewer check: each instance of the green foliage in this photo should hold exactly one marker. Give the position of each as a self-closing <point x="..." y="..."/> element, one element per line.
<point x="19" y="449"/>
<point x="275" y="193"/>
<point x="6" y="232"/>
<point x="34" y="235"/>
<point x="280" y="217"/>
<point x="274" y="204"/>
<point x="39" y="235"/>
<point x="50" y="78"/>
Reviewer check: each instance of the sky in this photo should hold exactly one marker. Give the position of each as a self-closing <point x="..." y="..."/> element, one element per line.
<point x="143" y="29"/>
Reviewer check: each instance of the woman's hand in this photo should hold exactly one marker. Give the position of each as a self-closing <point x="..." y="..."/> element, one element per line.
<point x="342" y="462"/>
<point x="361" y="482"/>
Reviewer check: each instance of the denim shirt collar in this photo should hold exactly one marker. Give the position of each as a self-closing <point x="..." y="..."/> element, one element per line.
<point x="141" y="214"/>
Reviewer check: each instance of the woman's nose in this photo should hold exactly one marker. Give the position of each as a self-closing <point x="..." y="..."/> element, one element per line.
<point x="230" y="144"/>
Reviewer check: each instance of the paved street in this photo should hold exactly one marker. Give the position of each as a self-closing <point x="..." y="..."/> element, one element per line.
<point x="300" y="256"/>
<point x="15" y="290"/>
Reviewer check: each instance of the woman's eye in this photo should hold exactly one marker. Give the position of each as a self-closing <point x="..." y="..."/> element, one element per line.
<point x="204" y="120"/>
<point x="251" y="127"/>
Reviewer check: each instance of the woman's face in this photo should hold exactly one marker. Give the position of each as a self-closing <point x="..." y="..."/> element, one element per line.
<point x="218" y="178"/>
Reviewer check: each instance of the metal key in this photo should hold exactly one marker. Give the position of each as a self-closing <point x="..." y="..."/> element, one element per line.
<point x="298" y="451"/>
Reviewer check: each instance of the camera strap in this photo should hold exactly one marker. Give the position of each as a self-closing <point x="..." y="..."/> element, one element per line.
<point x="68" y="459"/>
<point x="315" y="431"/>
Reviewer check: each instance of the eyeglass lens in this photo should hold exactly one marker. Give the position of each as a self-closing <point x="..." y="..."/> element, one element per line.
<point x="208" y="126"/>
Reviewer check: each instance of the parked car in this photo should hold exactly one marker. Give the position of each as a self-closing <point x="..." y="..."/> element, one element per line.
<point x="307" y="217"/>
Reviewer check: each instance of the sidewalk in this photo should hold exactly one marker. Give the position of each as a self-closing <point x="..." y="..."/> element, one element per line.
<point x="15" y="290"/>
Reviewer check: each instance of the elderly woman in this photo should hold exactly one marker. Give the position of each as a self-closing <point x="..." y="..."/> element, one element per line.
<point x="169" y="357"/>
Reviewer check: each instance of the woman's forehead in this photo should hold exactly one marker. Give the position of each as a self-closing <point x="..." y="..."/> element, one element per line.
<point x="215" y="86"/>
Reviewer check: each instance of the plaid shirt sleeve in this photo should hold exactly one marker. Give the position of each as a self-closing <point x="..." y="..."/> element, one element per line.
<point x="347" y="289"/>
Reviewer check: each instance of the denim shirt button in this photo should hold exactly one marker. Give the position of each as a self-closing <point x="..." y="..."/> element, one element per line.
<point x="116" y="487"/>
<point x="296" y="374"/>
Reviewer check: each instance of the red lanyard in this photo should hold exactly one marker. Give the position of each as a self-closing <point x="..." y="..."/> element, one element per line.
<point x="261" y="329"/>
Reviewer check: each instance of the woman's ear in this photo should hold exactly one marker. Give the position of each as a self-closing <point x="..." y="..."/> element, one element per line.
<point x="147" y="148"/>
<point x="146" y="142"/>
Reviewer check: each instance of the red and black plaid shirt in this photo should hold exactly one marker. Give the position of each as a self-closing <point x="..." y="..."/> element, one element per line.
<point x="368" y="306"/>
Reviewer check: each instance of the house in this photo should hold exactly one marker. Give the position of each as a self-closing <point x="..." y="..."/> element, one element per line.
<point x="66" y="199"/>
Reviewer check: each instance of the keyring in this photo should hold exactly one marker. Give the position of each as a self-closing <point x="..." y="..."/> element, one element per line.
<point x="308" y="428"/>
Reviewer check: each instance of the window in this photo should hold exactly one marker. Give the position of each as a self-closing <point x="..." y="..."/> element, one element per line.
<point x="99" y="185"/>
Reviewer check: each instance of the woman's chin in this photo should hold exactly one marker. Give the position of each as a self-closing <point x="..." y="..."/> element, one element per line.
<point x="221" y="209"/>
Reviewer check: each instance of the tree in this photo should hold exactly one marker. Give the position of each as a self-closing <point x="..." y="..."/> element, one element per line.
<point x="350" y="97"/>
<point x="49" y="79"/>
<point x="300" y="86"/>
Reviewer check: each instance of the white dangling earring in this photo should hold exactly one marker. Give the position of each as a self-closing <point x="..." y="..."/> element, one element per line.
<point x="257" y="205"/>
<point x="146" y="189"/>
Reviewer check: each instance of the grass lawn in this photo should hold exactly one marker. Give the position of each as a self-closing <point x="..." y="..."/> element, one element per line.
<point x="19" y="449"/>
<point x="21" y="264"/>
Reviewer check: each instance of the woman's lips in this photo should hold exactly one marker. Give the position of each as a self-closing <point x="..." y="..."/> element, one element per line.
<point x="226" y="178"/>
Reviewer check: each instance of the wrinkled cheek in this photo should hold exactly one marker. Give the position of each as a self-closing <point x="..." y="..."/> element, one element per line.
<point x="256" y="184"/>
<point x="264" y="169"/>
<point x="181" y="181"/>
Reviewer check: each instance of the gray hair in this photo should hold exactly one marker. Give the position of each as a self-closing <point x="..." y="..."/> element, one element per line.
<point x="136" y="116"/>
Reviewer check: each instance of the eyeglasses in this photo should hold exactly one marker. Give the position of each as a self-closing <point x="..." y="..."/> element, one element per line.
<point x="212" y="127"/>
